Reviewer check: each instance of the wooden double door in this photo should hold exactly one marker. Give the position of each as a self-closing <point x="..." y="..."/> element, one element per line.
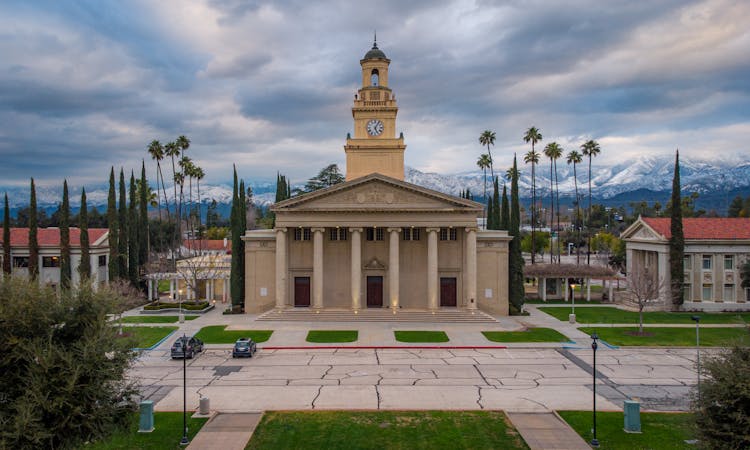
<point x="301" y="291"/>
<point x="374" y="291"/>
<point x="448" y="288"/>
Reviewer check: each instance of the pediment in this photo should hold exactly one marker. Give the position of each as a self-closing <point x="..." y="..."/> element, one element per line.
<point x="642" y="232"/>
<point x="376" y="193"/>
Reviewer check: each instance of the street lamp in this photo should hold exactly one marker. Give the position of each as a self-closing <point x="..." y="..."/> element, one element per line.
<point x="184" y="441"/>
<point x="572" y="316"/>
<point x="594" y="345"/>
<point x="697" y="320"/>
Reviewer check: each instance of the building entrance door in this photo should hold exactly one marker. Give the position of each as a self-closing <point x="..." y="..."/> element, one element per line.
<point x="447" y="291"/>
<point x="301" y="291"/>
<point x="374" y="292"/>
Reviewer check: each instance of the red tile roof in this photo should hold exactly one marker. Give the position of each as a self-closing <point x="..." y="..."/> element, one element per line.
<point x="50" y="237"/>
<point x="703" y="227"/>
<point x="207" y="244"/>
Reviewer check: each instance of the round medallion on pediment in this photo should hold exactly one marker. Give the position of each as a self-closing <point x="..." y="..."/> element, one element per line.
<point x="389" y="197"/>
<point x="361" y="198"/>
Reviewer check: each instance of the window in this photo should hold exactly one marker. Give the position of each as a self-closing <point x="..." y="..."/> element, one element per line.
<point x="706" y="262"/>
<point x="728" y="262"/>
<point x="51" y="261"/>
<point x="687" y="292"/>
<point x="20" y="261"/>
<point x="411" y="234"/>
<point x="301" y="234"/>
<point x="707" y="292"/>
<point x="687" y="262"/>
<point x="448" y="234"/>
<point x="375" y="234"/>
<point x="374" y="77"/>
<point x="337" y="234"/>
<point x="728" y="293"/>
<point x="102" y="260"/>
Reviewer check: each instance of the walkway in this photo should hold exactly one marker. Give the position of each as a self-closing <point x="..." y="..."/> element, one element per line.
<point x="546" y="431"/>
<point x="226" y="432"/>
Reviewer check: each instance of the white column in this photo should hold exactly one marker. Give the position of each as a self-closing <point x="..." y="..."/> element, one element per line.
<point x="393" y="266"/>
<point x="210" y="290"/>
<point x="432" y="268"/>
<point x="470" y="271"/>
<point x="629" y="261"/>
<point x="224" y="291"/>
<point x="566" y="288"/>
<point x="544" y="289"/>
<point x="356" y="269"/>
<point x="317" y="281"/>
<point x="150" y="290"/>
<point x="588" y="289"/>
<point x="663" y="276"/>
<point x="281" y="268"/>
<point x="171" y="290"/>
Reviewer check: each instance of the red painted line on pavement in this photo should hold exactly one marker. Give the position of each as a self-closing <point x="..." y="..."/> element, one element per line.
<point x="389" y="347"/>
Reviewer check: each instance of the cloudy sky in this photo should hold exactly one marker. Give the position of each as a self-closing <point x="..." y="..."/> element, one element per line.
<point x="269" y="85"/>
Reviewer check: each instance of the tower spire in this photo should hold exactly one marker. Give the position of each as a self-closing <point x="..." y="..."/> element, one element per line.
<point x="375" y="39"/>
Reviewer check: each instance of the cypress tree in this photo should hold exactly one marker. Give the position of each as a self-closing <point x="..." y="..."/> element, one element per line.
<point x="133" y="244"/>
<point x="490" y="225"/>
<point x="143" y="234"/>
<point x="677" y="240"/>
<point x="122" y="239"/>
<point x="6" y="237"/>
<point x="33" y="242"/>
<point x="505" y="211"/>
<point x="84" y="268"/>
<point x="65" y="268"/>
<point x="497" y="219"/>
<point x="243" y="227"/>
<point x="235" y="277"/>
<point x="515" y="286"/>
<point x="114" y="259"/>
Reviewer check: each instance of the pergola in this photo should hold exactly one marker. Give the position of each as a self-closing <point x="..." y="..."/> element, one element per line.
<point x="206" y="268"/>
<point x="564" y="272"/>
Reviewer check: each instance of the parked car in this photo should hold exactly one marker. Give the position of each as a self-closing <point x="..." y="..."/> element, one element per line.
<point x="194" y="345"/>
<point x="244" y="347"/>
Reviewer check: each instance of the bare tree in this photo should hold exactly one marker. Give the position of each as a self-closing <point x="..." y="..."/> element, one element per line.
<point x="202" y="267"/>
<point x="129" y="297"/>
<point x="645" y="288"/>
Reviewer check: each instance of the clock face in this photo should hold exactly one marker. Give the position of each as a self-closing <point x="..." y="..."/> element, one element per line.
<point x="374" y="127"/>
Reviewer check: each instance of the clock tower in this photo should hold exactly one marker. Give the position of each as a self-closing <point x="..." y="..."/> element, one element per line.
<point x="374" y="147"/>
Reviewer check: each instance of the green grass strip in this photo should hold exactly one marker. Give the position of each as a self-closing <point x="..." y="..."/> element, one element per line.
<point x="166" y="435"/>
<point x="671" y="337"/>
<point x="610" y="314"/>
<point x="145" y="337"/>
<point x="529" y="335"/>
<point x="216" y="334"/>
<point x="153" y="319"/>
<point x="421" y="336"/>
<point x="332" y="336"/>
<point x="658" y="430"/>
<point x="344" y="430"/>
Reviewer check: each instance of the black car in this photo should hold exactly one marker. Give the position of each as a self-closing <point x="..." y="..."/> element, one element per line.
<point x="194" y="345"/>
<point x="244" y="347"/>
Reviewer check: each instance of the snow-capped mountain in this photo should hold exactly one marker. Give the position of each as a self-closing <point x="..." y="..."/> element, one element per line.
<point x="649" y="173"/>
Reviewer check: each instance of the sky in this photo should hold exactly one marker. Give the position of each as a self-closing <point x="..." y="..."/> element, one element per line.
<point x="268" y="86"/>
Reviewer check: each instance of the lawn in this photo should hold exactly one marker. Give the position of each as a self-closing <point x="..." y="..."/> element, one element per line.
<point x="332" y="336"/>
<point x="660" y="431"/>
<point x="671" y="337"/>
<point x="333" y="430"/>
<point x="421" y="336"/>
<point x="610" y="314"/>
<point x="529" y="335"/>
<point x="559" y="301"/>
<point x="153" y="319"/>
<point x="166" y="435"/>
<point x="145" y="337"/>
<point x="216" y="334"/>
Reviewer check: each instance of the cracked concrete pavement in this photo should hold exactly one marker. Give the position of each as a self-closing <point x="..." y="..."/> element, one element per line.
<point x="516" y="379"/>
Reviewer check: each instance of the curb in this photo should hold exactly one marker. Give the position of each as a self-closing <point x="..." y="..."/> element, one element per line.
<point x="386" y="347"/>
<point x="138" y="349"/>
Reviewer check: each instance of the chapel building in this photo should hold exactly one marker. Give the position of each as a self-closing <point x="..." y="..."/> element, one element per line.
<point x="375" y="240"/>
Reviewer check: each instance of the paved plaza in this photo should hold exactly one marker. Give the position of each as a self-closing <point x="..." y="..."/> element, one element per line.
<point x="516" y="379"/>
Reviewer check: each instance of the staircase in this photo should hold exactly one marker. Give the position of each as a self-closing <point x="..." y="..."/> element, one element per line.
<point x="376" y="315"/>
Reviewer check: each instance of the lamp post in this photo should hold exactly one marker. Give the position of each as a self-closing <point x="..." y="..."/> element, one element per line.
<point x="184" y="441"/>
<point x="594" y="345"/>
<point x="697" y="320"/>
<point x="572" y="316"/>
<point x="181" y="315"/>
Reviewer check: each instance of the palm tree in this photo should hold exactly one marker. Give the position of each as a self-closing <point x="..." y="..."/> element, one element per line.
<point x="182" y="144"/>
<point x="188" y="170"/>
<point x="484" y="162"/>
<point x="156" y="150"/>
<point x="552" y="151"/>
<point x="509" y="174"/>
<point x="575" y="158"/>
<point x="487" y="138"/>
<point x="199" y="174"/>
<point x="590" y="148"/>
<point x="532" y="135"/>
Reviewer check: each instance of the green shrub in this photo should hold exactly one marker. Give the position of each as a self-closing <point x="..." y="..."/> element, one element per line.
<point x="722" y="412"/>
<point x="155" y="306"/>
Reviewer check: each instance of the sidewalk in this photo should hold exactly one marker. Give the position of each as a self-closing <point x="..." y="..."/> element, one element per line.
<point x="226" y="432"/>
<point x="546" y="431"/>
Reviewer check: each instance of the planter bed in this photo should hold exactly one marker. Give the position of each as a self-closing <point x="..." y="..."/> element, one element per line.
<point x="192" y="308"/>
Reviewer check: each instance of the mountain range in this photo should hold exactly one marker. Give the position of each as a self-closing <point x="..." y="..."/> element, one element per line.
<point x="648" y="178"/>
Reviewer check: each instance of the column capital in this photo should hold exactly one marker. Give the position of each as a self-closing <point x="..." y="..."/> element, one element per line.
<point x="394" y="229"/>
<point x="317" y="229"/>
<point x="432" y="229"/>
<point x="470" y="229"/>
<point x="282" y="229"/>
<point x="356" y="230"/>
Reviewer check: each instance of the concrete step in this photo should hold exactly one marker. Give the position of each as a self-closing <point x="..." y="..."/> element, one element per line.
<point x="377" y="315"/>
